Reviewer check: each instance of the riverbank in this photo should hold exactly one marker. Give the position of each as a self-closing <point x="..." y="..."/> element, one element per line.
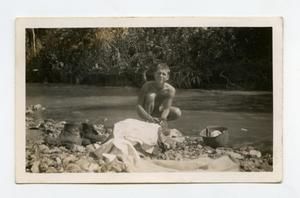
<point x="45" y="157"/>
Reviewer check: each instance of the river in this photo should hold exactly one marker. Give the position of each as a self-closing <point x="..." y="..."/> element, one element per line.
<point x="247" y="114"/>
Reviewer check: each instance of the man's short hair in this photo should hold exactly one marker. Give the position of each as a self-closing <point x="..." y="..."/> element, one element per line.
<point x="163" y="66"/>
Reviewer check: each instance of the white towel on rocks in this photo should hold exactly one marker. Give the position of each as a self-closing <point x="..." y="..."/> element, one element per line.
<point x="136" y="131"/>
<point x="129" y="132"/>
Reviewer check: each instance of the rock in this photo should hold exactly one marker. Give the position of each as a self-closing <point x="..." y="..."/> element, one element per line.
<point x="256" y="162"/>
<point x="28" y="112"/>
<point x="73" y="168"/>
<point x="99" y="128"/>
<point x="204" y="155"/>
<point x="248" y="165"/>
<point x="109" y="130"/>
<point x="93" y="167"/>
<point x="37" y="107"/>
<point x="117" y="166"/>
<point x="63" y="149"/>
<point x="44" y="149"/>
<point x="43" y="166"/>
<point x="243" y="148"/>
<point x="101" y="162"/>
<point x="55" y="150"/>
<point x="69" y="159"/>
<point x="209" y="151"/>
<point x="249" y="148"/>
<point x="35" y="167"/>
<point x="51" y="170"/>
<point x="220" y="151"/>
<point x="171" y="139"/>
<point x="84" y="164"/>
<point x="51" y="140"/>
<point x="255" y="153"/>
<point x="244" y="152"/>
<point x="32" y="157"/>
<point x="78" y="148"/>
<point x="90" y="148"/>
<point x="178" y="157"/>
<point x="266" y="167"/>
<point x="235" y="155"/>
<point x="58" y="161"/>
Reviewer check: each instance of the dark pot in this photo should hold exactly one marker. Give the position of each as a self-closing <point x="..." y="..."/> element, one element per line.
<point x="221" y="140"/>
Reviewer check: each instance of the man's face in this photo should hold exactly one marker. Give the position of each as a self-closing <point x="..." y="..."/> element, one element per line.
<point x="161" y="76"/>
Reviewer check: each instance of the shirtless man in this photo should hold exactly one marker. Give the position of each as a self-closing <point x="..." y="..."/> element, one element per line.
<point x="155" y="98"/>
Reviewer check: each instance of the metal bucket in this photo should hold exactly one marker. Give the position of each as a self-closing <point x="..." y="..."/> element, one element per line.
<point x="215" y="136"/>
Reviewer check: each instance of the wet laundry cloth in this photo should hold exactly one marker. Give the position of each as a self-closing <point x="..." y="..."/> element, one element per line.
<point x="130" y="132"/>
<point x="137" y="132"/>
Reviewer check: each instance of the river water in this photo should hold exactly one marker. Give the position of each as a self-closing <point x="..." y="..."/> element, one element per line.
<point x="247" y="115"/>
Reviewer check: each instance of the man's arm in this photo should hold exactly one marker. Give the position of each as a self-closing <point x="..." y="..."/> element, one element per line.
<point x="140" y="106"/>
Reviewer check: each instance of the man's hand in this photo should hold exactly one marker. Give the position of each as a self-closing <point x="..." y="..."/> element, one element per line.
<point x="155" y="120"/>
<point x="163" y="123"/>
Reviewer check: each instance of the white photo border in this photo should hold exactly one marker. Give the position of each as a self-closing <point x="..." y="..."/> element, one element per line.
<point x="179" y="177"/>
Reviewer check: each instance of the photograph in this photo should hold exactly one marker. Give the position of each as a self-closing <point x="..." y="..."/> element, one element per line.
<point x="148" y="100"/>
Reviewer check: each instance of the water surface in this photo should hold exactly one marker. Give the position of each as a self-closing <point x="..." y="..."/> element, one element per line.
<point x="233" y="109"/>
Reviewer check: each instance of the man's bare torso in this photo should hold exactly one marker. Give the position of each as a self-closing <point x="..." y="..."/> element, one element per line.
<point x="163" y="94"/>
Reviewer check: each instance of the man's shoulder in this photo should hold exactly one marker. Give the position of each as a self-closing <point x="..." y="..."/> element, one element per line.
<point x="170" y="88"/>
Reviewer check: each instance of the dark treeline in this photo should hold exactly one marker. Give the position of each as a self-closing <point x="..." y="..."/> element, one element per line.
<point x="207" y="58"/>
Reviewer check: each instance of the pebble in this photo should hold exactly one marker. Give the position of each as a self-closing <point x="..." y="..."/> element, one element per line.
<point x="44" y="149"/>
<point x="51" y="170"/>
<point x="245" y="153"/>
<point x="255" y="153"/>
<point x="73" y="168"/>
<point x="78" y="148"/>
<point x="235" y="155"/>
<point x="37" y="107"/>
<point x="58" y="161"/>
<point x="67" y="160"/>
<point x="55" y="150"/>
<point x="84" y="164"/>
<point x="93" y="167"/>
<point x="43" y="167"/>
<point x="90" y="148"/>
<point x="209" y="151"/>
<point x="62" y="148"/>
<point x="35" y="167"/>
<point x="117" y="166"/>
<point x="220" y="151"/>
<point x="28" y="112"/>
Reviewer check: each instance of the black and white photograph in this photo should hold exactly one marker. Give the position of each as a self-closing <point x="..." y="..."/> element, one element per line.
<point x="149" y="100"/>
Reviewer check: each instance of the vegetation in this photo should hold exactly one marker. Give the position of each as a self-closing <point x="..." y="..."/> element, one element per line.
<point x="207" y="58"/>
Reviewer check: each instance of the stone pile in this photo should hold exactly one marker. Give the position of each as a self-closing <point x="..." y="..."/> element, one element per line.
<point x="44" y="156"/>
<point x="249" y="158"/>
<point x="44" y="159"/>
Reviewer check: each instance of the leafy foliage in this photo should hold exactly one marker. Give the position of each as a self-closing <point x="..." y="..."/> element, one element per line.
<point x="222" y="58"/>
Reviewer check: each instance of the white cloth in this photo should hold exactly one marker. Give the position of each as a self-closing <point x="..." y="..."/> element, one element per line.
<point x="129" y="132"/>
<point x="136" y="131"/>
